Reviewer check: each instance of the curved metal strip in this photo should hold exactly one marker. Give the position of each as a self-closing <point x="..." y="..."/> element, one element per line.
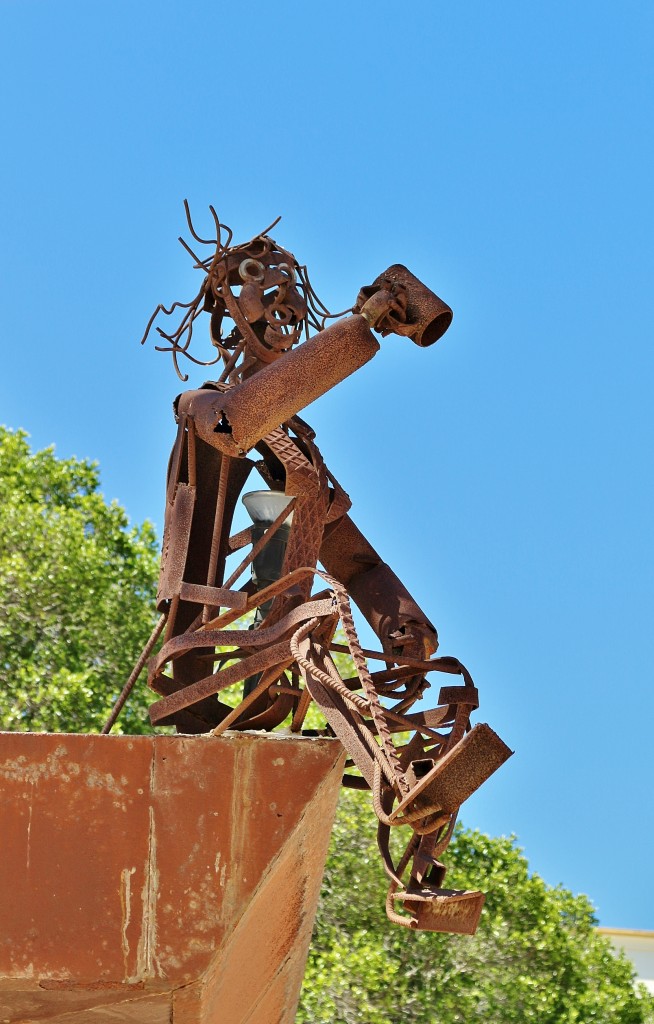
<point x="218" y="681"/>
<point x="239" y="637"/>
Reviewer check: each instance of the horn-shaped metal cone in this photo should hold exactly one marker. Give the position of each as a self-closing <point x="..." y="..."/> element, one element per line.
<point x="442" y="910"/>
<point x="458" y="774"/>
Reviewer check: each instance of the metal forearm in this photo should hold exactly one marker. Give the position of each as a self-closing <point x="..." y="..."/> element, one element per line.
<point x="376" y="590"/>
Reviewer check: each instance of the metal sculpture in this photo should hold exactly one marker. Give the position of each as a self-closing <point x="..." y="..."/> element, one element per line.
<point x="419" y="765"/>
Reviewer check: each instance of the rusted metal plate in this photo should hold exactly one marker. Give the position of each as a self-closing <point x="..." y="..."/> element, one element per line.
<point x="442" y="910"/>
<point x="459" y="772"/>
<point x="134" y="867"/>
<point x="65" y="1006"/>
<point x="176" y="540"/>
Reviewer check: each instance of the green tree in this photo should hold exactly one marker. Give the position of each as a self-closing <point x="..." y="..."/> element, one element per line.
<point x="536" y="956"/>
<point x="77" y="586"/>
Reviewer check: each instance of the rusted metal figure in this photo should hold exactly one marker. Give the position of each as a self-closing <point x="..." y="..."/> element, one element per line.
<point x="419" y="765"/>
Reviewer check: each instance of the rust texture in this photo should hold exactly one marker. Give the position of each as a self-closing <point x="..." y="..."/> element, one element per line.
<point x="141" y="873"/>
<point x="274" y="637"/>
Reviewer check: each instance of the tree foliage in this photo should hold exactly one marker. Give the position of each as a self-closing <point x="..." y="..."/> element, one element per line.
<point x="536" y="956"/>
<point x="77" y="587"/>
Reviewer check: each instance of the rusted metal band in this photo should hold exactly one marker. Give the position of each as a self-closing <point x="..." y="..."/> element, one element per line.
<point x="261" y="637"/>
<point x="459" y="695"/>
<point x="218" y="681"/>
<point x="217" y="597"/>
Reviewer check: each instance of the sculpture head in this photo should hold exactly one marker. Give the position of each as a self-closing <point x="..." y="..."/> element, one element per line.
<point x="257" y="285"/>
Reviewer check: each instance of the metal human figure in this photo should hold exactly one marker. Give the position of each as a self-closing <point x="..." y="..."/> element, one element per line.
<point x="249" y="419"/>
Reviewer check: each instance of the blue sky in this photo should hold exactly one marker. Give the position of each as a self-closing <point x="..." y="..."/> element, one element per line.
<point x="504" y="153"/>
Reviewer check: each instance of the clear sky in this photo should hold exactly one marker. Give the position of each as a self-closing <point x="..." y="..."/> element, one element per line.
<point x="503" y="152"/>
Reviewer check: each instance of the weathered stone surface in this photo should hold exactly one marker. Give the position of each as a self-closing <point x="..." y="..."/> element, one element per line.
<point x="160" y="878"/>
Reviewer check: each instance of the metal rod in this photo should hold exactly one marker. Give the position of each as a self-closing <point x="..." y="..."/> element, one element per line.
<point x="172" y="615"/>
<point x="217" y="527"/>
<point x="263" y="540"/>
<point x="231" y="363"/>
<point x="270" y="675"/>
<point x="135" y="673"/>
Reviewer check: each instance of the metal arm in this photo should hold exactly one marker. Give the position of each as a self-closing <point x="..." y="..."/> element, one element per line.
<point x="376" y="590"/>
